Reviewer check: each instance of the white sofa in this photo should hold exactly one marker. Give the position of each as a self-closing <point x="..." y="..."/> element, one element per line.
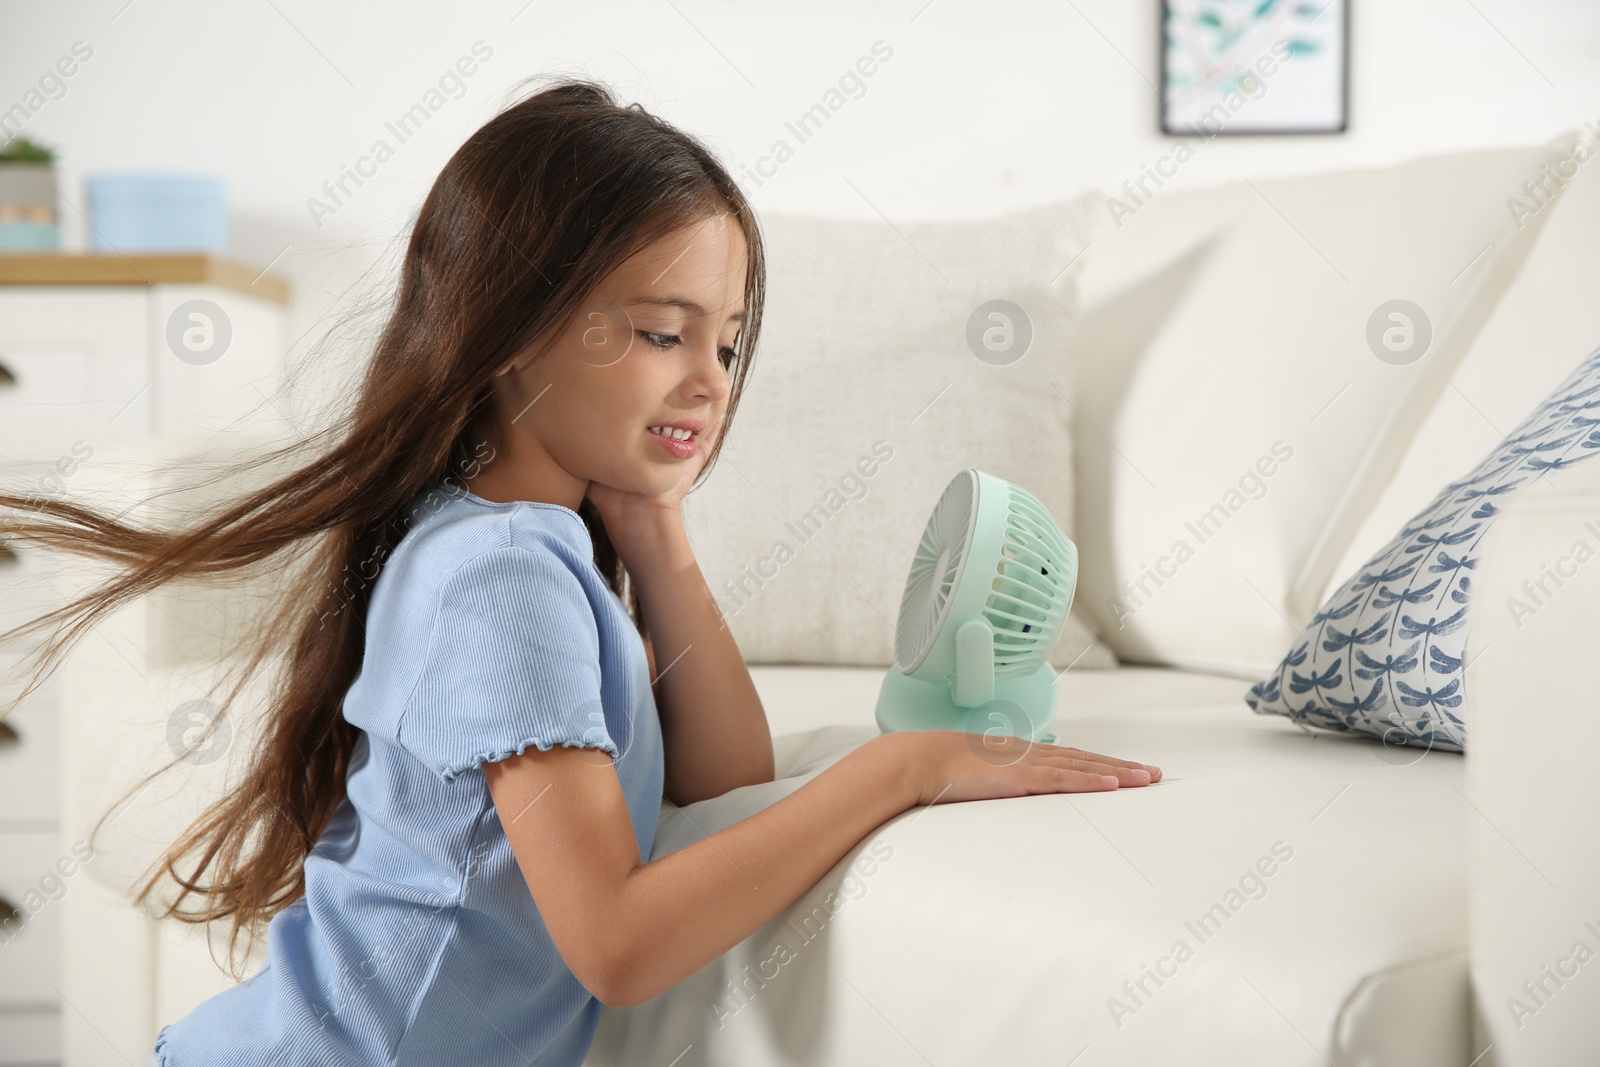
<point x="1339" y="901"/>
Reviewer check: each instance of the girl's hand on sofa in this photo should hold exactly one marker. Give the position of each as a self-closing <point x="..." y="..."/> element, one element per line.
<point x="944" y="766"/>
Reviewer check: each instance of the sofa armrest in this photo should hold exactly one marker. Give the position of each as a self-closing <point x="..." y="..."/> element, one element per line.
<point x="1534" y="871"/>
<point x="125" y="973"/>
<point x="127" y="694"/>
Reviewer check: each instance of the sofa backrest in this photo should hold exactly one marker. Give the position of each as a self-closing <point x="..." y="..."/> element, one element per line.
<point x="1239" y="413"/>
<point x="1544" y="324"/>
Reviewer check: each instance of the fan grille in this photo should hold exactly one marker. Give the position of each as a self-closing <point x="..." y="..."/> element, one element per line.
<point x="934" y="571"/>
<point x="1028" y="597"/>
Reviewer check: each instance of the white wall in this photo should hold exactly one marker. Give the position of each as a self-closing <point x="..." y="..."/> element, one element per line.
<point x="982" y="106"/>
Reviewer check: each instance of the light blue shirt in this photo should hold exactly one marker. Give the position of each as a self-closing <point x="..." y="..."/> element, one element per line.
<point x="490" y="629"/>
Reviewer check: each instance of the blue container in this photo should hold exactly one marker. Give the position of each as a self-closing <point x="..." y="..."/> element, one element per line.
<point x="157" y="212"/>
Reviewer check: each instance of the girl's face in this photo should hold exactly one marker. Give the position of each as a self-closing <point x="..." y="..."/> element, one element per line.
<point x="652" y="345"/>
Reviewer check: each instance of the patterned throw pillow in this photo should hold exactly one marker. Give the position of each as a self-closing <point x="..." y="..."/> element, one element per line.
<point x="1385" y="654"/>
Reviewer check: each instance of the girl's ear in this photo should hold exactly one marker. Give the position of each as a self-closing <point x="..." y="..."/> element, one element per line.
<point x="519" y="361"/>
<point x="515" y="365"/>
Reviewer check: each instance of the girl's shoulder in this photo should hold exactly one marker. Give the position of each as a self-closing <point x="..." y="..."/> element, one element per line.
<point x="451" y="527"/>
<point x="486" y="632"/>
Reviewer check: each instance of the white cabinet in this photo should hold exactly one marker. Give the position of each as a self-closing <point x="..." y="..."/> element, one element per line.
<point x="95" y="350"/>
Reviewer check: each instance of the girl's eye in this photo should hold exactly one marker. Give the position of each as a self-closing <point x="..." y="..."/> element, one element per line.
<point x="669" y="340"/>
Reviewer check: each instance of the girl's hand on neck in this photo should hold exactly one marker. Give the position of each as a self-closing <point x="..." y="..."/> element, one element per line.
<point x="638" y="523"/>
<point x="633" y="520"/>
<point x="641" y="525"/>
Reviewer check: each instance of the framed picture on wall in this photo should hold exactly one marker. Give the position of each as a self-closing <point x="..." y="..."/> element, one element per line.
<point x="1254" y="66"/>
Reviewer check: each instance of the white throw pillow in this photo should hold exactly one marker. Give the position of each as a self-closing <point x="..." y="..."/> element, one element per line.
<point x="865" y="399"/>
<point x="1247" y="425"/>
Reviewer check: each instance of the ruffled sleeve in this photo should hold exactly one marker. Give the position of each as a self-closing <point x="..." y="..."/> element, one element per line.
<point x="513" y="661"/>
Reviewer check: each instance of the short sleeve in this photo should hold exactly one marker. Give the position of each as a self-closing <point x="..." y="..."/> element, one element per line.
<point x="513" y="661"/>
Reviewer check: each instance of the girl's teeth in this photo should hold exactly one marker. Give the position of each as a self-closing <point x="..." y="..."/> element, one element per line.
<point x="681" y="435"/>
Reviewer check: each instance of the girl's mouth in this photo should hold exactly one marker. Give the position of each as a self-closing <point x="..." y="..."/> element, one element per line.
<point x="669" y="439"/>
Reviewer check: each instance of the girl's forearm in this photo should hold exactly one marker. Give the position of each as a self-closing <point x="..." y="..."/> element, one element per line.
<point x="689" y="907"/>
<point x="713" y="727"/>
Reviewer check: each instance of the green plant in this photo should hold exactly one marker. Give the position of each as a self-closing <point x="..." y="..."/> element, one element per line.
<point x="22" y="150"/>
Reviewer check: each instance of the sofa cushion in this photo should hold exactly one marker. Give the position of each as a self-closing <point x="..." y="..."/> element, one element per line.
<point x="1011" y="930"/>
<point x="1386" y="654"/>
<point x="873" y="386"/>
<point x="1235" y="424"/>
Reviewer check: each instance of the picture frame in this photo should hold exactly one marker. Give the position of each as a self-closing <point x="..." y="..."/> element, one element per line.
<point x="1241" y="67"/>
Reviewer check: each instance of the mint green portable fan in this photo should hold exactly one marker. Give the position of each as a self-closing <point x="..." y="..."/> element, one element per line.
<point x="984" y="603"/>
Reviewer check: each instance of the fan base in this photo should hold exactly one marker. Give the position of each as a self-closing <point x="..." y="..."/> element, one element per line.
<point x="1022" y="707"/>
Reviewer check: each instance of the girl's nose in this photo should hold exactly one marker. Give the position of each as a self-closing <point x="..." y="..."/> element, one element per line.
<point x="709" y="378"/>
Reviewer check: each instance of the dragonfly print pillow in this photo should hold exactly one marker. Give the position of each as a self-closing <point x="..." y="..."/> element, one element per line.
<point x="1385" y="654"/>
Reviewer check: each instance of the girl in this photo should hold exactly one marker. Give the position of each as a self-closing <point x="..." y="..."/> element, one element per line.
<point x="447" y="819"/>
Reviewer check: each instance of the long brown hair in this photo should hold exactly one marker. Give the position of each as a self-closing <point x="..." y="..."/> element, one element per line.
<point x="523" y="222"/>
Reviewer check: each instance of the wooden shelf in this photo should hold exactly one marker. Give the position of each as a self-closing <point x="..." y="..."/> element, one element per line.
<point x="65" y="268"/>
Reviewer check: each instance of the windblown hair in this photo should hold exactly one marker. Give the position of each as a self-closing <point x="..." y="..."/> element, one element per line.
<point x="521" y="225"/>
